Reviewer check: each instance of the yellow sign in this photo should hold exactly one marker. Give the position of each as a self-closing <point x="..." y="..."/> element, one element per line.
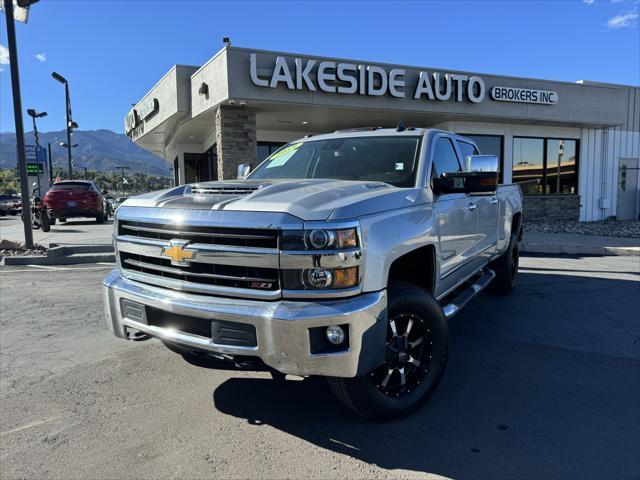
<point x="177" y="254"/>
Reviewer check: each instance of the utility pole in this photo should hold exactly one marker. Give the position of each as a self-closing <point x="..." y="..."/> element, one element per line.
<point x="17" y="113"/>
<point x="33" y="114"/>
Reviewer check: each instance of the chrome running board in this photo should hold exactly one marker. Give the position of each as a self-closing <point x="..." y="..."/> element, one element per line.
<point x="466" y="295"/>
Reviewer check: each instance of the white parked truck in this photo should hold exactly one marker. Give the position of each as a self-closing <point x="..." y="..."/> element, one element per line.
<point x="341" y="255"/>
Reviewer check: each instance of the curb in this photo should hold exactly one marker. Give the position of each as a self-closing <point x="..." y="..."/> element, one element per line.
<point x="529" y="247"/>
<point x="65" y="255"/>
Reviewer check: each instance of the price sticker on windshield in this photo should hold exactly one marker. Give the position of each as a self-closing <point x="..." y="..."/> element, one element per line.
<point x="281" y="157"/>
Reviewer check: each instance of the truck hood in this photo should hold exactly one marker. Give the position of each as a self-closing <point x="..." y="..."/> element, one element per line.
<point x="308" y="199"/>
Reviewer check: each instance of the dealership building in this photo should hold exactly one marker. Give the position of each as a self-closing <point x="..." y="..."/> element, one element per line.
<point x="574" y="148"/>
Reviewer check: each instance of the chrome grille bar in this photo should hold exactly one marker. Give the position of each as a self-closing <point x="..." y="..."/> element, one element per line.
<point x="178" y="271"/>
<point x="156" y="280"/>
<point x="197" y="234"/>
<point x="204" y="253"/>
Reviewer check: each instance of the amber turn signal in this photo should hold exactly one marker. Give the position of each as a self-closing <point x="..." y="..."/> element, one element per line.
<point x="345" y="277"/>
<point x="347" y="238"/>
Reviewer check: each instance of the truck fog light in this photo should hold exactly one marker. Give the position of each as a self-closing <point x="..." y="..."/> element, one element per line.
<point x="335" y="334"/>
<point x="318" y="277"/>
<point x="320" y="239"/>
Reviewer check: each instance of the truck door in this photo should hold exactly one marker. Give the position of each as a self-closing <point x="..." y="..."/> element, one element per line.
<point x="488" y="214"/>
<point x="457" y="218"/>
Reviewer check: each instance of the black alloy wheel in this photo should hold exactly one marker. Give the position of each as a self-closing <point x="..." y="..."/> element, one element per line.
<point x="415" y="358"/>
<point x="407" y="356"/>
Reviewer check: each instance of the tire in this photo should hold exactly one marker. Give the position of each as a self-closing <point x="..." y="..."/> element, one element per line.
<point x="100" y="217"/>
<point x="380" y="395"/>
<point x="506" y="267"/>
<point x="3" y="213"/>
<point x="44" y="222"/>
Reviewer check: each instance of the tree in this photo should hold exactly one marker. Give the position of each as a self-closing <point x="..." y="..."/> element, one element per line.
<point x="112" y="181"/>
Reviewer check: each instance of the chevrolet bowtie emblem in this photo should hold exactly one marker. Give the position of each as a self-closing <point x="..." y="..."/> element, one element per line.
<point x="177" y="253"/>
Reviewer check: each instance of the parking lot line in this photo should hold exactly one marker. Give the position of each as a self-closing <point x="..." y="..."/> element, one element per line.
<point x="103" y="265"/>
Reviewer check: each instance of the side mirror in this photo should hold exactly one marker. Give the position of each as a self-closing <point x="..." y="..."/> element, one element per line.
<point x="481" y="163"/>
<point x="466" y="182"/>
<point x="480" y="176"/>
<point x="243" y="170"/>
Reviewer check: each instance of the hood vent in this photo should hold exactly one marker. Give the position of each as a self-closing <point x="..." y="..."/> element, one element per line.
<point x="222" y="189"/>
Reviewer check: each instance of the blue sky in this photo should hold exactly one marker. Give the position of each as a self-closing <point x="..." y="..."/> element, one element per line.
<point x="112" y="52"/>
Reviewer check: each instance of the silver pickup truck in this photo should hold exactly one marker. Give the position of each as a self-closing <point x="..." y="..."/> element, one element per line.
<point x="341" y="255"/>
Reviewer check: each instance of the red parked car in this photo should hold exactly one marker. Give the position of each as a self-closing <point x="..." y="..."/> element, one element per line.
<point x="75" y="198"/>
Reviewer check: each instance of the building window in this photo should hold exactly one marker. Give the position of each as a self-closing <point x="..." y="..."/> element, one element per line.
<point x="267" y="148"/>
<point x="561" y="166"/>
<point x="545" y="165"/>
<point x="489" y="145"/>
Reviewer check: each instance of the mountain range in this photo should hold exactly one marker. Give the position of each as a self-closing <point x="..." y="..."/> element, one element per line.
<point x="100" y="150"/>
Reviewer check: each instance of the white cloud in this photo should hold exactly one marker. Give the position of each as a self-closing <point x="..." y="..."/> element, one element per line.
<point x="624" y="20"/>
<point x="4" y="55"/>
<point x="41" y="57"/>
<point x="589" y="2"/>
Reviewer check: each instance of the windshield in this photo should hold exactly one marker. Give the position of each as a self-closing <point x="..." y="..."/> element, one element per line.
<point x="383" y="159"/>
<point x="81" y="186"/>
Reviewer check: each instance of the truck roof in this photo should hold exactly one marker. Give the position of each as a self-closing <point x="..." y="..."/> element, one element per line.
<point x="374" y="132"/>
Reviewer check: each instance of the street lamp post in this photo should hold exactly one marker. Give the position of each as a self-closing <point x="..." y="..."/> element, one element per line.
<point x="122" y="169"/>
<point x="86" y="175"/>
<point x="70" y="123"/>
<point x="50" y="164"/>
<point x="33" y="114"/>
<point x="17" y="113"/>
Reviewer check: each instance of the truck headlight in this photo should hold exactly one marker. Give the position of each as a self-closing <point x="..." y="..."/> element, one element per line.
<point x="320" y="239"/>
<point x="320" y="278"/>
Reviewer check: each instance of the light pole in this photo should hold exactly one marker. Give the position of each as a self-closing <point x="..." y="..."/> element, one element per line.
<point x="122" y="169"/>
<point x="50" y="164"/>
<point x="86" y="176"/>
<point x="17" y="113"/>
<point x="33" y="114"/>
<point x="70" y="123"/>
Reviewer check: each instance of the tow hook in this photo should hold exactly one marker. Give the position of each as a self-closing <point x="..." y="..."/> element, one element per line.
<point x="136" y="335"/>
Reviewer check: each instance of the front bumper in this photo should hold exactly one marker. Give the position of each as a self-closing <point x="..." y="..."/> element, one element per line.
<point x="282" y="327"/>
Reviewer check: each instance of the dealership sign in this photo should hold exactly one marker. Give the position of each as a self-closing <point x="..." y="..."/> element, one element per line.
<point x="524" y="95"/>
<point x="147" y="109"/>
<point x="137" y="115"/>
<point x="373" y="80"/>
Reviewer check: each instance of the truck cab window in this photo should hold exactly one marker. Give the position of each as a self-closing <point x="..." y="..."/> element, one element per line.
<point x="467" y="149"/>
<point x="445" y="158"/>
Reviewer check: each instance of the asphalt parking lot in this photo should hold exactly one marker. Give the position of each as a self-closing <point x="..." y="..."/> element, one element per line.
<point x="542" y="384"/>
<point x="75" y="231"/>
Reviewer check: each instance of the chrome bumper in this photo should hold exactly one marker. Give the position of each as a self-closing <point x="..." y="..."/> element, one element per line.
<point x="282" y="327"/>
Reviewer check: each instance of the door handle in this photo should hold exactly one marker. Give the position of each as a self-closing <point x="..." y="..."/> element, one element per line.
<point x="494" y="200"/>
<point x="472" y="206"/>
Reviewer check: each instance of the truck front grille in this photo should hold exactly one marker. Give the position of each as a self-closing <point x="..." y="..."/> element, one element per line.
<point x="211" y="260"/>
<point x="240" y="237"/>
<point x="205" y="273"/>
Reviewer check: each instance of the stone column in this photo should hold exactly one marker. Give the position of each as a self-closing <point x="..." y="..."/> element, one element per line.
<point x="235" y="139"/>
